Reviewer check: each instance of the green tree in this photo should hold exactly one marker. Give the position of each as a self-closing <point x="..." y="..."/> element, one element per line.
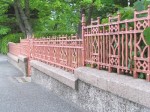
<point x="14" y="11"/>
<point x="31" y="16"/>
<point x="4" y="20"/>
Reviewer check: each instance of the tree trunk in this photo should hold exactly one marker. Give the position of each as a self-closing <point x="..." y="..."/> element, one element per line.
<point x="27" y="8"/>
<point x="19" y="21"/>
<point x="80" y="24"/>
<point x="90" y="13"/>
<point x="22" y="19"/>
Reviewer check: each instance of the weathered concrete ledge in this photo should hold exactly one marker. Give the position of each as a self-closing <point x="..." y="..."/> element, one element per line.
<point x="22" y="58"/>
<point x="56" y="73"/>
<point x="135" y="90"/>
<point x="15" y="58"/>
<point x="19" y="62"/>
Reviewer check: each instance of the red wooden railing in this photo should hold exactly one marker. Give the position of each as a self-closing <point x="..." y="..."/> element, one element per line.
<point x="117" y="46"/>
<point x="25" y="47"/>
<point x="110" y="47"/>
<point x="62" y="52"/>
<point x="14" y="48"/>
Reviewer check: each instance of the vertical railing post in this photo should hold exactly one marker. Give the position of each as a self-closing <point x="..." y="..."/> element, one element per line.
<point x="30" y="45"/>
<point x="98" y="23"/>
<point x="83" y="40"/>
<point x="109" y="66"/>
<point x="32" y="48"/>
<point x="119" y="53"/>
<point x="135" y="75"/>
<point x="148" y="75"/>
<point x="20" y="46"/>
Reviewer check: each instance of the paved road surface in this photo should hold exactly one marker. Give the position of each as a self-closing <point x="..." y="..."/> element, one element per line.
<point x="27" y="97"/>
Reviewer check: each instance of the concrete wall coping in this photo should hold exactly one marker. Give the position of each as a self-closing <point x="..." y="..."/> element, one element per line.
<point x="15" y="58"/>
<point x="23" y="58"/>
<point x="136" y="90"/>
<point x="56" y="73"/>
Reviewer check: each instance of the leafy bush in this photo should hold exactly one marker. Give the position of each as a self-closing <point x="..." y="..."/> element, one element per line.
<point x="140" y="5"/>
<point x="52" y="33"/>
<point x="4" y="30"/>
<point x="142" y="76"/>
<point x="105" y="20"/>
<point x="126" y="13"/>
<point x="147" y="35"/>
<point x="9" y="38"/>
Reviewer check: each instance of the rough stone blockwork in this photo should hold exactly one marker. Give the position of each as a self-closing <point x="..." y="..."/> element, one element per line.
<point x="87" y="96"/>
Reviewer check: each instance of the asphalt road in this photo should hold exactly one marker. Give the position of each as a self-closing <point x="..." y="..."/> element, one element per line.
<point x="28" y="96"/>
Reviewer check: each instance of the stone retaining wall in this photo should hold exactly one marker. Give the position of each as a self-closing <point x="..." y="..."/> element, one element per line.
<point x="95" y="90"/>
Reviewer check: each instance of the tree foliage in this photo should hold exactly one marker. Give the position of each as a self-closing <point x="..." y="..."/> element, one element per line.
<point x="46" y="15"/>
<point x="34" y="16"/>
<point x="141" y="4"/>
<point x="4" y="20"/>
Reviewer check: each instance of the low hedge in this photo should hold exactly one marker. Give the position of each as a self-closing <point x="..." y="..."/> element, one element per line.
<point x="9" y="38"/>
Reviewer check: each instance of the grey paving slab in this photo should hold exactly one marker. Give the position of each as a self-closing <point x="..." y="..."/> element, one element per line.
<point x="27" y="97"/>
